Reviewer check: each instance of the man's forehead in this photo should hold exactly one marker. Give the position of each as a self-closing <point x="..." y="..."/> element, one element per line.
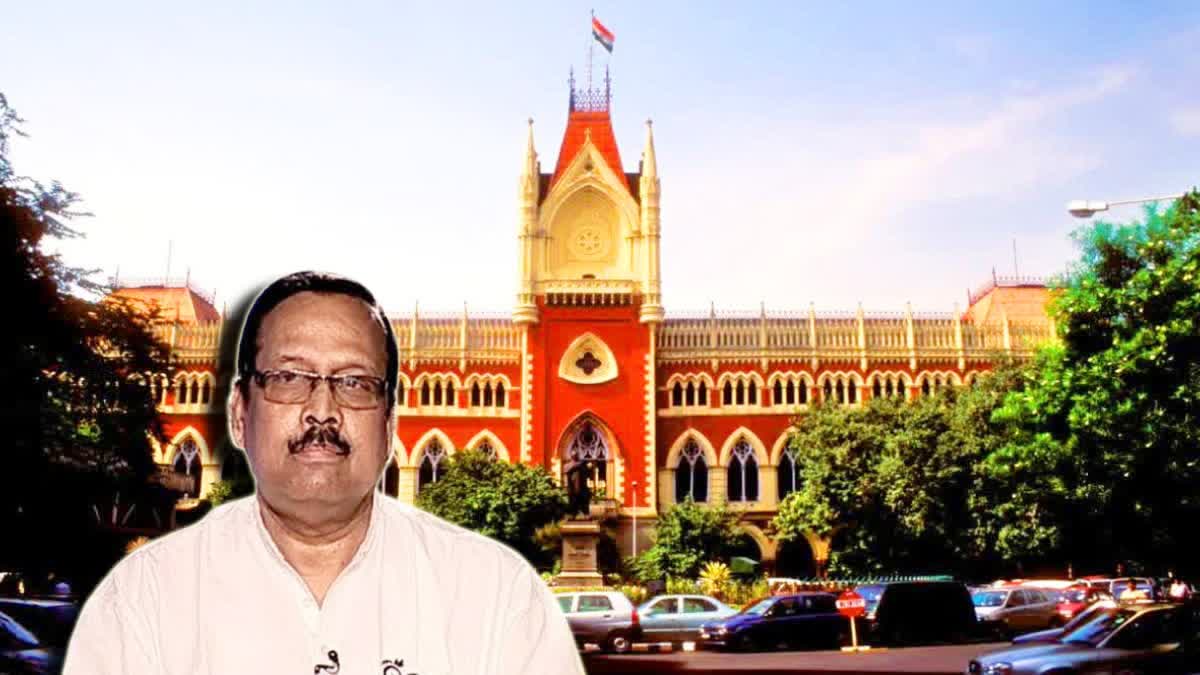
<point x="308" y="324"/>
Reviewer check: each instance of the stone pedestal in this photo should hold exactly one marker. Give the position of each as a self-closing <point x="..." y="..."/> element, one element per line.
<point x="579" y="538"/>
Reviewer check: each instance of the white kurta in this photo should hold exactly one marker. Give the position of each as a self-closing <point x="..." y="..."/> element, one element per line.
<point x="420" y="597"/>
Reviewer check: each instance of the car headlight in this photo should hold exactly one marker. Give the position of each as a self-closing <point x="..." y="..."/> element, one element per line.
<point x="721" y="630"/>
<point x="1000" y="668"/>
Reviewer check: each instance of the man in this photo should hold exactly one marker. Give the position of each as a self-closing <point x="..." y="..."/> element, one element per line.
<point x="1133" y="593"/>
<point x="316" y="573"/>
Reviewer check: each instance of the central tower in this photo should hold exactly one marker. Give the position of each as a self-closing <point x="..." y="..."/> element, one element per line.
<point x="589" y="303"/>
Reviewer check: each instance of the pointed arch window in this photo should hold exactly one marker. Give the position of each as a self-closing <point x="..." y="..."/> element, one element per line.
<point x="691" y="474"/>
<point x="432" y="464"/>
<point x="789" y="473"/>
<point x="425" y="398"/>
<point x="485" y="446"/>
<point x="206" y="392"/>
<point x="390" y="484"/>
<point x="500" y="395"/>
<point x="187" y="463"/>
<point x="690" y="394"/>
<point x="475" y="397"/>
<point x="727" y="394"/>
<point x="677" y="395"/>
<point x="742" y="473"/>
<point x="702" y="394"/>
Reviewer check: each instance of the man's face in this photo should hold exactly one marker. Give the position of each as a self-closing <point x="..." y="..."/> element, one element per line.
<point x="315" y="460"/>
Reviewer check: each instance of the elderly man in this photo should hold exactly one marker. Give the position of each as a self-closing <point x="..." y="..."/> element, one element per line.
<point x="316" y="573"/>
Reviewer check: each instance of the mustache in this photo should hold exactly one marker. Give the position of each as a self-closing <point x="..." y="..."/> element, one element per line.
<point x="319" y="435"/>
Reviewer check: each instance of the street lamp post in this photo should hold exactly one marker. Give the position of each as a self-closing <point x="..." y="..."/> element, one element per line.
<point x="635" y="506"/>
<point x="1083" y="208"/>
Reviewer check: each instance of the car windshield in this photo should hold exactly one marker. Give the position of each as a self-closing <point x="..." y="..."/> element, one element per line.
<point x="989" y="598"/>
<point x="1100" y="627"/>
<point x="759" y="608"/>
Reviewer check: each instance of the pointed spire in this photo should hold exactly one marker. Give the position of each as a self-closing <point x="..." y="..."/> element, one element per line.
<point x="649" y="161"/>
<point x="530" y="153"/>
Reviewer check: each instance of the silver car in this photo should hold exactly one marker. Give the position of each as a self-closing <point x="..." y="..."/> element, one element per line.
<point x="1128" y="639"/>
<point x="604" y="618"/>
<point x="1019" y="609"/>
<point x="677" y="618"/>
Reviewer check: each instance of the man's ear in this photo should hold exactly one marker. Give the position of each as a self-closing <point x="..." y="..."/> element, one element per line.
<point x="236" y="414"/>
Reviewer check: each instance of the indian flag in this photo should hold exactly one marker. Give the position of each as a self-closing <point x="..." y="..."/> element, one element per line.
<point x="603" y="35"/>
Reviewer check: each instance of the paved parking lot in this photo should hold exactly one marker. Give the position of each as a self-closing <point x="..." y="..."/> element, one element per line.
<point x="910" y="661"/>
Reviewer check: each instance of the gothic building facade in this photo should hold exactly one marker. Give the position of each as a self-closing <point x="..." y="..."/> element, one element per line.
<point x="589" y="366"/>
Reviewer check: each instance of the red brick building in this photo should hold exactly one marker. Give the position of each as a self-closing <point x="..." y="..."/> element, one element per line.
<point x="588" y="364"/>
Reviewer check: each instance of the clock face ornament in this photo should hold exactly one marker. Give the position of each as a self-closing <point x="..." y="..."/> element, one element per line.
<point x="588" y="242"/>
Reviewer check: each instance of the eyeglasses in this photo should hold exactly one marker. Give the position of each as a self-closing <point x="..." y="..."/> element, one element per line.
<point x="358" y="392"/>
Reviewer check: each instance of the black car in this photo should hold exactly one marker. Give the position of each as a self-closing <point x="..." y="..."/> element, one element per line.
<point x="926" y="612"/>
<point x="793" y="620"/>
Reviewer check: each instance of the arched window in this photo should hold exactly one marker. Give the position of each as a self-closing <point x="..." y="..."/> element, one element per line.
<point x="425" y="393"/>
<point x="187" y="463"/>
<point x="486" y="448"/>
<point x="703" y="394"/>
<point x="741" y="393"/>
<point x="777" y="392"/>
<point x="925" y="388"/>
<point x="691" y="474"/>
<point x="789" y="473"/>
<point x="803" y="393"/>
<point x="400" y="393"/>
<point x="742" y="474"/>
<point x="487" y="396"/>
<point x="449" y="393"/>
<point x="206" y="392"/>
<point x="752" y="391"/>
<point x="877" y="390"/>
<point x="431" y="464"/>
<point x="437" y="394"/>
<point x="829" y="390"/>
<point x="390" y="485"/>
<point x="195" y="393"/>
<point x="690" y="394"/>
<point x="475" y="394"/>
<point x="727" y="394"/>
<point x="500" y="395"/>
<point x="676" y="395"/>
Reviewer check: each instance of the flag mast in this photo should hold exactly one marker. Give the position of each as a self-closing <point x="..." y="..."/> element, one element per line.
<point x="591" y="47"/>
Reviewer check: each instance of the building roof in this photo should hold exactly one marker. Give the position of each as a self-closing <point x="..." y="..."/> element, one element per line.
<point x="598" y="125"/>
<point x="1021" y="299"/>
<point x="176" y="301"/>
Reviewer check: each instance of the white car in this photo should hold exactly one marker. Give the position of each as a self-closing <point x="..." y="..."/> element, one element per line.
<point x="604" y="618"/>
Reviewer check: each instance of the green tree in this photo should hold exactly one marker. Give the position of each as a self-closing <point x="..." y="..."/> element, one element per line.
<point x="688" y="535"/>
<point x="78" y="416"/>
<point x="837" y="451"/>
<point x="508" y="502"/>
<point x="1111" y="411"/>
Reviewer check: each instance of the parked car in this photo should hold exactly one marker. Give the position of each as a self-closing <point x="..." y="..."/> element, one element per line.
<point x="22" y="652"/>
<point x="793" y="620"/>
<point x="1019" y="609"/>
<point x="604" y="618"/>
<point x="677" y="618"/>
<point x="926" y="612"/>
<point x="1053" y="634"/>
<point x="1153" y="638"/>
<point x="871" y="594"/>
<point x="1076" y="599"/>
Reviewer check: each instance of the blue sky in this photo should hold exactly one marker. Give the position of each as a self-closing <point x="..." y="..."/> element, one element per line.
<point x="874" y="153"/>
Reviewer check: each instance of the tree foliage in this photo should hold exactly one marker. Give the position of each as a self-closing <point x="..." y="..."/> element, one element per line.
<point x="78" y="416"/>
<point x="688" y="535"/>
<point x="508" y="502"/>
<point x="1111" y="412"/>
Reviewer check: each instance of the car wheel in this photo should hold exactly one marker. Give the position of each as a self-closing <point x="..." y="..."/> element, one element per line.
<point x="618" y="643"/>
<point x="744" y="643"/>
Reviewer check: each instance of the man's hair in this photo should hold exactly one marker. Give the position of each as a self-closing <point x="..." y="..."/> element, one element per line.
<point x="310" y="282"/>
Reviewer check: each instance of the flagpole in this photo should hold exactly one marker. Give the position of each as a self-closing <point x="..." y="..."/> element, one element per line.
<point x="591" y="46"/>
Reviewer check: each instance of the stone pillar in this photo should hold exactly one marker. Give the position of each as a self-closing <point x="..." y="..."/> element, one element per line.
<point x="406" y="485"/>
<point x="666" y="489"/>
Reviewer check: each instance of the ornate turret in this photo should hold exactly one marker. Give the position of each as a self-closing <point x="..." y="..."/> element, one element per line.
<point x="648" y="190"/>
<point x="527" y="216"/>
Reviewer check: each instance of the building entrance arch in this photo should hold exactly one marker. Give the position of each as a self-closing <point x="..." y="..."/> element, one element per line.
<point x="590" y="457"/>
